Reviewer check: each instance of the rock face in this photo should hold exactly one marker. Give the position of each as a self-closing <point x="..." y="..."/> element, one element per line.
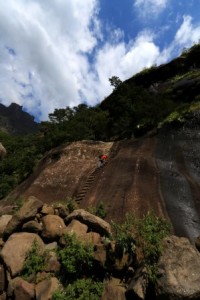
<point x="15" y="249"/>
<point x="178" y="270"/>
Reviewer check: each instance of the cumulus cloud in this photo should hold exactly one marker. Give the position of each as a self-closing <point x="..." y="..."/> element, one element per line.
<point x="150" y="7"/>
<point x="188" y="33"/>
<point x="49" y="40"/>
<point x="53" y="53"/>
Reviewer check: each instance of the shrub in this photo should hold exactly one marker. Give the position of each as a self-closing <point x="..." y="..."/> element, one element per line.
<point x="81" y="289"/>
<point x="142" y="235"/>
<point x="100" y="211"/>
<point x="75" y="257"/>
<point x="34" y="262"/>
<point x="71" y="204"/>
<point x="150" y="232"/>
<point x="123" y="235"/>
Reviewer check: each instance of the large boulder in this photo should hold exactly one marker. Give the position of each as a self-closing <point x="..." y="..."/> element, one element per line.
<point x="178" y="270"/>
<point x="27" y="212"/>
<point x="15" y="250"/>
<point x="22" y="289"/>
<point x="93" y="222"/>
<point x="53" y="227"/>
<point x="114" y="290"/>
<point x="138" y="286"/>
<point x="32" y="226"/>
<point x="46" y="288"/>
<point x="4" y="219"/>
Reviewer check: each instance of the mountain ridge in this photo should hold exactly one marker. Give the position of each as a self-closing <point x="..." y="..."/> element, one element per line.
<point x="15" y="121"/>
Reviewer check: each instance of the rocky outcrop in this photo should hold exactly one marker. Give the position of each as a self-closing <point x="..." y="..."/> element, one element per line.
<point x="178" y="270"/>
<point x="123" y="278"/>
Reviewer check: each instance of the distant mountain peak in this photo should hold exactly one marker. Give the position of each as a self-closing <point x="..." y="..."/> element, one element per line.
<point x="16" y="121"/>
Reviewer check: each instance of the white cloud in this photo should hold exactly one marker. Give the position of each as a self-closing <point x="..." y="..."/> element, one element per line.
<point x="50" y="39"/>
<point x="53" y="54"/>
<point x="188" y="33"/>
<point x="150" y="7"/>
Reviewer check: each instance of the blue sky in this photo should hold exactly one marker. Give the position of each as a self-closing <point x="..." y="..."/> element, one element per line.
<point x="58" y="53"/>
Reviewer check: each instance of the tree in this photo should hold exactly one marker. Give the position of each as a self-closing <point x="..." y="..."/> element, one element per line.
<point x="115" y="82"/>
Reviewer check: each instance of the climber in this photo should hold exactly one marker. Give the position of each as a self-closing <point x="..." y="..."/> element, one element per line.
<point x="104" y="157"/>
<point x="100" y="162"/>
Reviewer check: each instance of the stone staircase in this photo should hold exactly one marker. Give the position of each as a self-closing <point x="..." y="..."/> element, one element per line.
<point x="90" y="180"/>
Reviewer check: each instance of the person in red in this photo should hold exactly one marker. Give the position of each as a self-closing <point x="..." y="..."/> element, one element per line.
<point x="104" y="158"/>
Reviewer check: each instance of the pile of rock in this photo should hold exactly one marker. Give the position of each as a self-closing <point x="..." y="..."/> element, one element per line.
<point x="178" y="268"/>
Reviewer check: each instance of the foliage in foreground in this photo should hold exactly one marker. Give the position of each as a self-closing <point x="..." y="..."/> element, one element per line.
<point x="34" y="262"/>
<point x="76" y="257"/>
<point x="99" y="211"/>
<point x="144" y="236"/>
<point x="81" y="289"/>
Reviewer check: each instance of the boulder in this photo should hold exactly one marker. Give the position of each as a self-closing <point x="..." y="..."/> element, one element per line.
<point x="53" y="227"/>
<point x="114" y="290"/>
<point x="15" y="250"/>
<point x="27" y="212"/>
<point x="76" y="227"/>
<point x="45" y="288"/>
<point x="138" y="286"/>
<point x="32" y="226"/>
<point x="23" y="290"/>
<point x="93" y="238"/>
<point x="51" y="246"/>
<point x="178" y="270"/>
<point x="100" y="254"/>
<point x="93" y="222"/>
<point x="2" y="278"/>
<point x="47" y="210"/>
<point x="3" y="223"/>
<point x="53" y="265"/>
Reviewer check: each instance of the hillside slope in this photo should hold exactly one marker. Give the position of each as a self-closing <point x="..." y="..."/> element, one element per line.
<point x="158" y="172"/>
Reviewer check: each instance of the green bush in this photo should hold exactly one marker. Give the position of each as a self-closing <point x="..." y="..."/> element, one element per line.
<point x="71" y="204"/>
<point x="142" y="235"/>
<point x="81" y="289"/>
<point x="100" y="211"/>
<point x="123" y="234"/>
<point x="34" y="262"/>
<point x="75" y="257"/>
<point x="150" y="232"/>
